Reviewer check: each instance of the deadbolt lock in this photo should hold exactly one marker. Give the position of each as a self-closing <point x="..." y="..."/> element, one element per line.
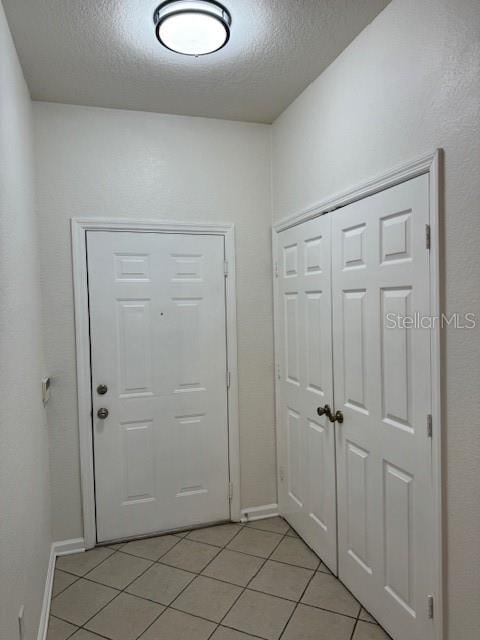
<point x="102" y="389"/>
<point x="102" y="413"/>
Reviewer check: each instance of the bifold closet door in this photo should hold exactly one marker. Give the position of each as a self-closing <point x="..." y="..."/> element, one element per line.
<point x="306" y="443"/>
<point x="380" y="274"/>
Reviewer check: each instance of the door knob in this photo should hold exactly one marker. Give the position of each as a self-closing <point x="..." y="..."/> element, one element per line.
<point x="102" y="413"/>
<point x="338" y="417"/>
<point x="102" y="389"/>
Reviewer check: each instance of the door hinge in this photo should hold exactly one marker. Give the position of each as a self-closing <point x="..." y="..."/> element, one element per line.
<point x="228" y="379"/>
<point x="278" y="371"/>
<point x="430" y="426"/>
<point x="427" y="236"/>
<point x="230" y="491"/>
<point x="281" y="473"/>
<point x="430" y="607"/>
<point x="225" y="268"/>
<point x="276" y="269"/>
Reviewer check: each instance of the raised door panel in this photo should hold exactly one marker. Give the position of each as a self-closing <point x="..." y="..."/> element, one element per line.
<point x="354" y="349"/>
<point x="318" y="474"/>
<point x="292" y="355"/>
<point x="315" y="339"/>
<point x="357" y="531"/>
<point x="399" y="537"/>
<point x="134" y="334"/>
<point x="138" y="463"/>
<point x="295" y="458"/>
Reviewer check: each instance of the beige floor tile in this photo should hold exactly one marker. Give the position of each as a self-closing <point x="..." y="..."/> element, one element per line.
<point x="234" y="567"/>
<point x="82" y="563"/>
<point x="119" y="570"/>
<point x="82" y="600"/>
<point x="115" y="545"/>
<point x="277" y="525"/>
<point x="369" y="631"/>
<point x="61" y="581"/>
<point x="255" y="542"/>
<point x="125" y="618"/>
<point x="222" y="633"/>
<point x="150" y="548"/>
<point x="260" y="615"/>
<point x="175" y="625"/>
<point x="294" y="551"/>
<point x="292" y="533"/>
<point x="207" y="598"/>
<point x="59" y="629"/>
<point x="190" y="556"/>
<point x="364" y="615"/>
<point x="308" y="623"/>
<point x="281" y="580"/>
<point x="327" y="592"/>
<point x="83" y="634"/>
<point x="218" y="536"/>
<point x="160" y="583"/>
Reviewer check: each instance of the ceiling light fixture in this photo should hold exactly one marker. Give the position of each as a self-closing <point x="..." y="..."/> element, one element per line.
<point x="192" y="27"/>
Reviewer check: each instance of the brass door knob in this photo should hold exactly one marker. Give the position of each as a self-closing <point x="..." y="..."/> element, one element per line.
<point x="102" y="413"/>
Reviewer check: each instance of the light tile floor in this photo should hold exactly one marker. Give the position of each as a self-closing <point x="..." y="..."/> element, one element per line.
<point x="228" y="582"/>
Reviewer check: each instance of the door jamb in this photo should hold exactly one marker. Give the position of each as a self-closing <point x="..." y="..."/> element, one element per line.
<point x="79" y="228"/>
<point x="430" y="164"/>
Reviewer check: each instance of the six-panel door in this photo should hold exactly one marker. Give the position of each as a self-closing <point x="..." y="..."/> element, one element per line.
<point x="306" y="445"/>
<point x="380" y="272"/>
<point x="158" y="342"/>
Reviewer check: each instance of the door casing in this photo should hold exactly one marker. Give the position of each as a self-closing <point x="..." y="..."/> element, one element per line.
<point x="430" y="164"/>
<point x="79" y="227"/>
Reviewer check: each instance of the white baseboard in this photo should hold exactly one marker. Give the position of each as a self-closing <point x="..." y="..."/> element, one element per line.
<point x="62" y="548"/>
<point x="47" y="596"/>
<point x="259" y="513"/>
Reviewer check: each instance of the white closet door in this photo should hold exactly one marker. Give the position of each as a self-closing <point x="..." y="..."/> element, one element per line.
<point x="306" y="445"/>
<point x="157" y="323"/>
<point x="380" y="266"/>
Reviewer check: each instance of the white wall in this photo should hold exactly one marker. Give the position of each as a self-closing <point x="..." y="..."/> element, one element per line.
<point x="25" y="530"/>
<point x="408" y="84"/>
<point x="105" y="162"/>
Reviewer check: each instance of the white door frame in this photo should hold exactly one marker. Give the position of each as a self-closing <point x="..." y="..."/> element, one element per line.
<point x="427" y="164"/>
<point x="79" y="228"/>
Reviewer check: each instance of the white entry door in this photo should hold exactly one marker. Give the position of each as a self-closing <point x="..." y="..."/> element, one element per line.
<point x="306" y="442"/>
<point x="158" y="347"/>
<point x="380" y="270"/>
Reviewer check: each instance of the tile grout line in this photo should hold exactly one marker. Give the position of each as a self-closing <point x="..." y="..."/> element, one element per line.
<point x="198" y="574"/>
<point x="265" y="560"/>
<point x="296" y="605"/>
<point x="195" y="574"/>
<point x="354" y="629"/>
<point x="169" y="606"/>
<point x="131" y="594"/>
<point x="120" y="591"/>
<point x="220" y="549"/>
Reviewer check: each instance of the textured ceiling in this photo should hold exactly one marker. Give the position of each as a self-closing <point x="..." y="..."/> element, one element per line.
<point x="104" y="53"/>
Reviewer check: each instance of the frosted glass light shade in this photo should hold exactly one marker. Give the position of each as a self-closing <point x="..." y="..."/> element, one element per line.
<point x="193" y="28"/>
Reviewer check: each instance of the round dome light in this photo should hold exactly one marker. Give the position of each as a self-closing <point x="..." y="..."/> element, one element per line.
<point x="192" y="27"/>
